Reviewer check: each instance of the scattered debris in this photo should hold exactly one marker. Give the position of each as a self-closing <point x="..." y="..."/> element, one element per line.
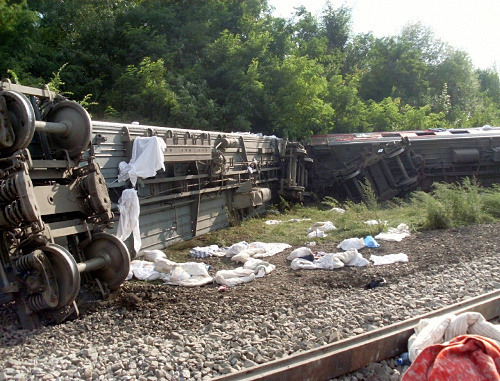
<point x="447" y="346"/>
<point x="395" y="234"/>
<point x="319" y="229"/>
<point x="351" y="243"/>
<point x="207" y="251"/>
<point x="329" y="261"/>
<point x="388" y="259"/>
<point x="275" y="222"/>
<point x="370" y="242"/>
<point x="338" y="210"/>
<point x="376" y="283"/>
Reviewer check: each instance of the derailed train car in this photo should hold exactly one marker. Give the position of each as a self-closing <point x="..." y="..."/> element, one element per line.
<point x="395" y="163"/>
<point x="207" y="181"/>
<point x="62" y="187"/>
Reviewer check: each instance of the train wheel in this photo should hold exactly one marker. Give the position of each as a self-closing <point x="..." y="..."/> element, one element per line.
<point x="49" y="282"/>
<point x="77" y="139"/>
<point x="116" y="255"/>
<point x="22" y="120"/>
<point x="66" y="273"/>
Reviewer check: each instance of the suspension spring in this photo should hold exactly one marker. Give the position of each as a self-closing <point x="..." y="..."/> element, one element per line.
<point x="8" y="190"/>
<point x="37" y="303"/>
<point x="13" y="213"/>
<point x="26" y="262"/>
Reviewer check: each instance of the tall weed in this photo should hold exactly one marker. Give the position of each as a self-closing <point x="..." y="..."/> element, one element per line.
<point x="450" y="205"/>
<point x="370" y="197"/>
<point x="491" y="202"/>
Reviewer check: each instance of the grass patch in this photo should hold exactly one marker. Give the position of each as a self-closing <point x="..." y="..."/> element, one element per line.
<point x="446" y="206"/>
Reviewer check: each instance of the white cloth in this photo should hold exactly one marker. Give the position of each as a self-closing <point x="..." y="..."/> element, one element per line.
<point x="444" y="328"/>
<point x="351" y="243"/>
<point x="338" y="210"/>
<point x="164" y="265"/>
<point x="302" y="264"/>
<point x="357" y="259"/>
<point x="268" y="249"/>
<point x="128" y="204"/>
<point x="147" y="158"/>
<point x="275" y="222"/>
<point x="152" y="255"/>
<point x="236" y="248"/>
<point x="317" y="234"/>
<point x="331" y="261"/>
<point x="319" y="229"/>
<point x="206" y="251"/>
<point x="299" y="253"/>
<point x="255" y="249"/>
<point x="328" y="262"/>
<point x="187" y="274"/>
<point x="395" y="234"/>
<point x="322" y="226"/>
<point x="143" y="270"/>
<point x="259" y="267"/>
<point x="234" y="277"/>
<point x="388" y="259"/>
<point x="242" y="256"/>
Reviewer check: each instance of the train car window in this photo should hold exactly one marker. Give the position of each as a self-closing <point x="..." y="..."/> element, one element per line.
<point x="425" y="133"/>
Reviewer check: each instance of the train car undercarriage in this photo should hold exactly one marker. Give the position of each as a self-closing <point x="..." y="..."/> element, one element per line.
<point x="395" y="163"/>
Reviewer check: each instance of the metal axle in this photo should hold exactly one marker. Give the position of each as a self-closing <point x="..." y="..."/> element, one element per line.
<point x="59" y="128"/>
<point x="96" y="263"/>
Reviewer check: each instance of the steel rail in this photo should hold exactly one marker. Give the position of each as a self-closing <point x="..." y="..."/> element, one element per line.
<point x="340" y="358"/>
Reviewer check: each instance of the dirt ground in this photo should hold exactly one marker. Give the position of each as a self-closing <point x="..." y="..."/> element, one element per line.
<point x="191" y="307"/>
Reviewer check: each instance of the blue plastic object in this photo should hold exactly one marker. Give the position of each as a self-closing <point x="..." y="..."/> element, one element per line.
<point x="370" y="242"/>
<point x="403" y="360"/>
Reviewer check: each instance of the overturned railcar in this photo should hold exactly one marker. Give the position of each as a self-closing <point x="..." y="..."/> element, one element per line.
<point x="207" y="181"/>
<point x="394" y="163"/>
<point x="63" y="178"/>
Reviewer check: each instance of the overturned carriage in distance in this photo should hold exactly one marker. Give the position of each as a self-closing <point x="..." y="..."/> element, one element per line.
<point x="395" y="163"/>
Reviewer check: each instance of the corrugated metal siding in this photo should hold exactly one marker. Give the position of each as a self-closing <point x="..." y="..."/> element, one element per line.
<point x="181" y="202"/>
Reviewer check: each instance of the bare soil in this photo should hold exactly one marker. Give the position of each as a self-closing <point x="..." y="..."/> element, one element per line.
<point x="428" y="252"/>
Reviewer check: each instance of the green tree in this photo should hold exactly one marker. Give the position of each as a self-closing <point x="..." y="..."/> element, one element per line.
<point x="152" y="100"/>
<point x="457" y="72"/>
<point x="336" y="24"/>
<point x="350" y="110"/>
<point x="394" y="69"/>
<point x="18" y="33"/>
<point x="296" y="100"/>
<point x="384" y="115"/>
<point x="489" y="83"/>
<point x="81" y="35"/>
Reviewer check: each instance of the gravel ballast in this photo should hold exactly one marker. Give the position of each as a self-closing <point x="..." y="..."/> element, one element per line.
<point x="160" y="332"/>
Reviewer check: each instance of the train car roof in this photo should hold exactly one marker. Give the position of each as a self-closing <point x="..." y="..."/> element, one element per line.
<point x="335" y="139"/>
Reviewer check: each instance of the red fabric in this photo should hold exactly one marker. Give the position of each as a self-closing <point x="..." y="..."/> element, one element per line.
<point x="465" y="358"/>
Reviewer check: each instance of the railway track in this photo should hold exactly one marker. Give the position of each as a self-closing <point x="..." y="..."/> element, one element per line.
<point x="348" y="355"/>
<point x="200" y="334"/>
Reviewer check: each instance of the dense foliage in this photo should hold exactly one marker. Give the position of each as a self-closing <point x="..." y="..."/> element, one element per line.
<point x="230" y="65"/>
